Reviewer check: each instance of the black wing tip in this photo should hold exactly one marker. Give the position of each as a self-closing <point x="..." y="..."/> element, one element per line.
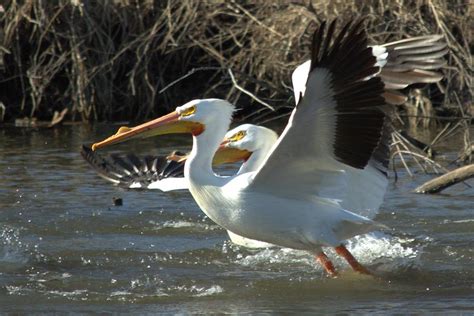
<point x="358" y="99"/>
<point x="100" y="165"/>
<point x="124" y="170"/>
<point x="89" y="155"/>
<point x="351" y="41"/>
<point x="85" y="149"/>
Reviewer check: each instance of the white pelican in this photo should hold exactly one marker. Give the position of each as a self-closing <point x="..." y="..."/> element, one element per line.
<point x="247" y="142"/>
<point x="338" y="122"/>
<point x="258" y="141"/>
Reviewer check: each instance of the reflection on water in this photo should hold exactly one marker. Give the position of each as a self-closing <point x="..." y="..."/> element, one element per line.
<point x="64" y="247"/>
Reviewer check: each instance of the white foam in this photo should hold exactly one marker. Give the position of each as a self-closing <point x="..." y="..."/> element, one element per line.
<point x="68" y="293"/>
<point x="15" y="290"/>
<point x="368" y="249"/>
<point x="276" y="256"/>
<point x="194" y="290"/>
<point x="461" y="221"/>
<point x="183" y="224"/>
<point x="373" y="246"/>
<point x="213" y="290"/>
<point x="178" y="224"/>
<point x="120" y="293"/>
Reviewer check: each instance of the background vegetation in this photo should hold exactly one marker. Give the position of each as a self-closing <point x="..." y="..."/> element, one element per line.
<point x="131" y="60"/>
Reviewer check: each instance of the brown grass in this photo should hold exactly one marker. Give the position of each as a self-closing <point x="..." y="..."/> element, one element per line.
<point x="137" y="59"/>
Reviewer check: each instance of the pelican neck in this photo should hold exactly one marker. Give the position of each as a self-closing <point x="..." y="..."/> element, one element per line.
<point x="256" y="158"/>
<point x="198" y="167"/>
<point x="254" y="161"/>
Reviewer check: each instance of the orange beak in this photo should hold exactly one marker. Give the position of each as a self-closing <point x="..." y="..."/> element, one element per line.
<point x="222" y="156"/>
<point x="225" y="154"/>
<point x="168" y="124"/>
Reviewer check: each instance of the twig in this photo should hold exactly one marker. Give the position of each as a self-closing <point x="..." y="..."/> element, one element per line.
<point x="426" y="159"/>
<point x="253" y="18"/>
<point x="191" y="72"/>
<point x="400" y="137"/>
<point x="400" y="155"/>
<point x="236" y="85"/>
<point x="403" y="162"/>
<point x="439" y="134"/>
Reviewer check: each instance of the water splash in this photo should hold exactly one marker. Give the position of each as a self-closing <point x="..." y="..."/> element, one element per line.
<point x="13" y="252"/>
<point x="193" y="290"/>
<point x="370" y="249"/>
<point x="178" y="290"/>
<point x="184" y="224"/>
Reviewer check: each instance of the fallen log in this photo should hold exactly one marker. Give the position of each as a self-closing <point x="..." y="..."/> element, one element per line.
<point x="446" y="180"/>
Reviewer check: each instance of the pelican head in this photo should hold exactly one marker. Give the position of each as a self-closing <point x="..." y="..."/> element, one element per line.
<point x="249" y="137"/>
<point x="192" y="117"/>
<point x="204" y="112"/>
<point x="247" y="142"/>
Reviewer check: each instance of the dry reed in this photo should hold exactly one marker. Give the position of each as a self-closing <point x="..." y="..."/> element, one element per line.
<point x="123" y="59"/>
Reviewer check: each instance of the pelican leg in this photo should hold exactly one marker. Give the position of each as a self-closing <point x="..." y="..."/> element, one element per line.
<point x="342" y="251"/>
<point x="326" y="263"/>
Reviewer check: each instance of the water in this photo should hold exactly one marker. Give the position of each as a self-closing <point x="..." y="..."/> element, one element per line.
<point x="65" y="248"/>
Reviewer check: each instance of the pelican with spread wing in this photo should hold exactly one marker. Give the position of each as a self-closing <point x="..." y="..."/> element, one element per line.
<point x="402" y="63"/>
<point x="292" y="199"/>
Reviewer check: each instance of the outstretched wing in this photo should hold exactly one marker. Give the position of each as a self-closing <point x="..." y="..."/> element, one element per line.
<point x="411" y="61"/>
<point x="337" y="123"/>
<point x="403" y="63"/>
<point x="131" y="171"/>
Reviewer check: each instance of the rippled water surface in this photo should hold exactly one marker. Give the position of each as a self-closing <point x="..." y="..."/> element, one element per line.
<point x="65" y="248"/>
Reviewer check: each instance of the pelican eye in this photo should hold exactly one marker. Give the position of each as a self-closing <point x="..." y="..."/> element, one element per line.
<point x="189" y="111"/>
<point x="237" y="136"/>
